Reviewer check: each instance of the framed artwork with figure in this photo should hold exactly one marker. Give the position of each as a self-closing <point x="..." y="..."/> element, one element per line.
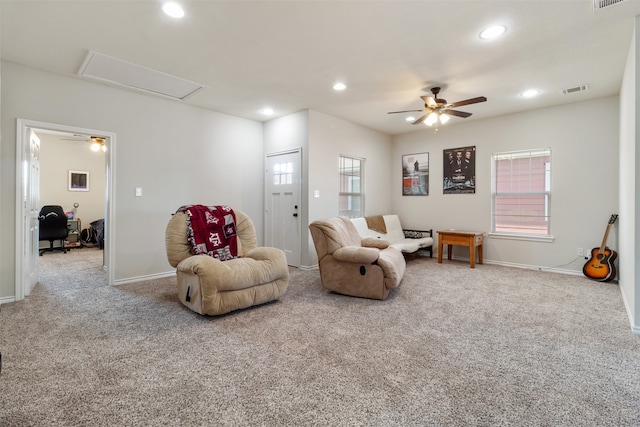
<point x="459" y="170"/>
<point x="415" y="174"/>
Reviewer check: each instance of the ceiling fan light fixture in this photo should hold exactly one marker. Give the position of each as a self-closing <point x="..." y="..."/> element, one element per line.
<point x="493" y="32"/>
<point x="95" y="147"/>
<point x="438" y="110"/>
<point x="431" y="119"/>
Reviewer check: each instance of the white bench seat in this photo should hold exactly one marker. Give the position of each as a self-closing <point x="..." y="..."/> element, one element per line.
<point x="407" y="241"/>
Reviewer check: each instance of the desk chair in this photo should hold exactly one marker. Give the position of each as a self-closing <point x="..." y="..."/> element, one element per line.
<point x="53" y="226"/>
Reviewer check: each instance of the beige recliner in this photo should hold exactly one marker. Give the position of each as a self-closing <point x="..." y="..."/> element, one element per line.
<point x="365" y="268"/>
<point x="209" y="286"/>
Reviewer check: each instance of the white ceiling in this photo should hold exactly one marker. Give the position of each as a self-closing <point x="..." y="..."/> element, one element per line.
<point x="288" y="54"/>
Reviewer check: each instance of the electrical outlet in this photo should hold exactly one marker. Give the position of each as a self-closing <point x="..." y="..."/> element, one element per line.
<point x="580" y="252"/>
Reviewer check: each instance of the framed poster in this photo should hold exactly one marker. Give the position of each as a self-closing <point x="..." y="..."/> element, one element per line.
<point x="415" y="174"/>
<point x="78" y="181"/>
<point x="459" y="170"/>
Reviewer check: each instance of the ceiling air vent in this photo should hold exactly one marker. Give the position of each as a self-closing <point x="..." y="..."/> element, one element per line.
<point x="114" y="70"/>
<point x="580" y="88"/>
<point x="601" y="4"/>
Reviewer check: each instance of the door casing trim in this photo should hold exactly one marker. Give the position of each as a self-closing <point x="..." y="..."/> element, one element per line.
<point x="22" y="138"/>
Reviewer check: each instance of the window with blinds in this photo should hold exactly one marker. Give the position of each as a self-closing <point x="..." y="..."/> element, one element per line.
<point x="521" y="192"/>
<point x="351" y="199"/>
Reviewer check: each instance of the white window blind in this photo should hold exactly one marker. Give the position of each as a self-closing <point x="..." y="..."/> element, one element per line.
<point x="521" y="192"/>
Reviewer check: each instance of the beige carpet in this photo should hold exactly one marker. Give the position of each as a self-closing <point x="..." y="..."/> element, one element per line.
<point x="452" y="346"/>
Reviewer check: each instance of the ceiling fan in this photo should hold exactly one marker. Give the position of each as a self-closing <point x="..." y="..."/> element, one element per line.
<point x="437" y="110"/>
<point x="97" y="142"/>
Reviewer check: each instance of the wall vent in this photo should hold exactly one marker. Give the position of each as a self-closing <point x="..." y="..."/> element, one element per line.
<point x="106" y="68"/>
<point x="580" y="88"/>
<point x="601" y="4"/>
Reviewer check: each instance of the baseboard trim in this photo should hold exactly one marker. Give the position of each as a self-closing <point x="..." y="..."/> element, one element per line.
<point x="634" y="328"/>
<point x="505" y="264"/>
<point x="535" y="267"/>
<point x="6" y="300"/>
<point x="143" y="278"/>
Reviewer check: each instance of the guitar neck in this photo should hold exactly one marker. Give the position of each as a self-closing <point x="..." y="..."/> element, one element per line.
<point x="612" y="220"/>
<point x="604" y="240"/>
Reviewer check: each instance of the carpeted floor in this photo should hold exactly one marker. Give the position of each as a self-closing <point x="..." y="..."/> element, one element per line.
<point x="452" y="346"/>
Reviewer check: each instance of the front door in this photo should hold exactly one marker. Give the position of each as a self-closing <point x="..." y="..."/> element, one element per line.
<point x="282" y="216"/>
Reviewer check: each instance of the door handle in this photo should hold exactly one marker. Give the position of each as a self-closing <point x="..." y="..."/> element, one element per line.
<point x="295" y="214"/>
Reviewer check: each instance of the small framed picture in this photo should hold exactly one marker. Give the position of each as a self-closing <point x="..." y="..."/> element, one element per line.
<point x="78" y="181"/>
<point x="415" y="174"/>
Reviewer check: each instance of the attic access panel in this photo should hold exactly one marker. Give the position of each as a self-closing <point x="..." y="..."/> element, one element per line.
<point x="123" y="73"/>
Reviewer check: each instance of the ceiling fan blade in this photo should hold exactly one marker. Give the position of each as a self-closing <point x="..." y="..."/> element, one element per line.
<point x="429" y="101"/>
<point x="456" y="113"/>
<point x="468" y="101"/>
<point x="421" y="119"/>
<point x="405" y="111"/>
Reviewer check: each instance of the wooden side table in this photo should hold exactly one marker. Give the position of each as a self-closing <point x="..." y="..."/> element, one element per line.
<point x="471" y="239"/>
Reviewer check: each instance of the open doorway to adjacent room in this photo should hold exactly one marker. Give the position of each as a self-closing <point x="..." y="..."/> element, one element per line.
<point x="69" y="167"/>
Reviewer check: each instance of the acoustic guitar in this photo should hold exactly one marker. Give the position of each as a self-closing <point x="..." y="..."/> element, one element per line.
<point x="601" y="265"/>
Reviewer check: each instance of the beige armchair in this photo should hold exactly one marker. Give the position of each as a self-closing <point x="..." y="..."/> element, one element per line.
<point x="365" y="268"/>
<point x="207" y="285"/>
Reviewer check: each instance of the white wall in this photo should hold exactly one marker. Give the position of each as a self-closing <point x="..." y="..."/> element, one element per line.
<point x="177" y="154"/>
<point x="583" y="137"/>
<point x="630" y="183"/>
<point x="57" y="157"/>
<point x="323" y="139"/>
<point x="330" y="137"/>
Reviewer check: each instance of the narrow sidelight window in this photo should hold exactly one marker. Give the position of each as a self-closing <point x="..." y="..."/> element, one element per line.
<point x="351" y="201"/>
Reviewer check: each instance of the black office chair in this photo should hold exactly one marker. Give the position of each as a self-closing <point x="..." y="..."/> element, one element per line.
<point x="53" y="226"/>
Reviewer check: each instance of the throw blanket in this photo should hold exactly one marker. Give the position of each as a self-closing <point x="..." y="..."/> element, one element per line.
<point x="376" y="223"/>
<point x="211" y="230"/>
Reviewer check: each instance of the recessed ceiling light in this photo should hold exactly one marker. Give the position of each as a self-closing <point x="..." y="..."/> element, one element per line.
<point x="493" y="32"/>
<point x="410" y="119"/>
<point x="530" y="93"/>
<point x="267" y="111"/>
<point x="172" y="9"/>
<point x="339" y="86"/>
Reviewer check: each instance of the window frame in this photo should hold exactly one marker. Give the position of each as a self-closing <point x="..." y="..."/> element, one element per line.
<point x="547" y="192"/>
<point x="351" y="213"/>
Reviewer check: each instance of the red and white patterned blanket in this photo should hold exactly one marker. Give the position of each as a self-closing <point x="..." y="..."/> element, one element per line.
<point x="211" y="230"/>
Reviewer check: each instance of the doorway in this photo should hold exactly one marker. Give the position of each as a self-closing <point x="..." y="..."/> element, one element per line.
<point x="28" y="197"/>
<point x="283" y="211"/>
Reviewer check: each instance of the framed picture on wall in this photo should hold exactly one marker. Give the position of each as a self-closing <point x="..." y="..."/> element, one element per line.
<point x="415" y="174"/>
<point x="78" y="181"/>
<point x="459" y="170"/>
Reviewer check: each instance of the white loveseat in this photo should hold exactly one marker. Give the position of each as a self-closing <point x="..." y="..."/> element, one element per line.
<point x="407" y="241"/>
